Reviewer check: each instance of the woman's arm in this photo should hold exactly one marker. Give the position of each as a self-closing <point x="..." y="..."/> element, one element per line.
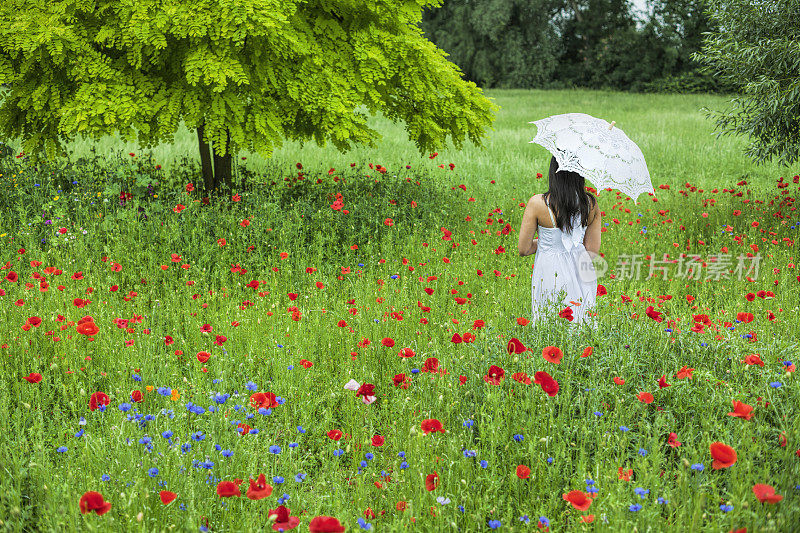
<point x="527" y="244"/>
<point x="591" y="240"/>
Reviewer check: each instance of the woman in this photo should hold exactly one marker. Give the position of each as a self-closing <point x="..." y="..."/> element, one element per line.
<point x="568" y="220"/>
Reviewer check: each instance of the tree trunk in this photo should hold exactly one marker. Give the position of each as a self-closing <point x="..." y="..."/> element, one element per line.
<point x="222" y="166"/>
<point x="205" y="160"/>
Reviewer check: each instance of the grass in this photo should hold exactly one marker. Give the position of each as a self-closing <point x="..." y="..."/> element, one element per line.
<point x="362" y="275"/>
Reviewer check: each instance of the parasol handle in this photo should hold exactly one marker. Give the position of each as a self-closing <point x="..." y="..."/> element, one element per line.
<point x="612" y="125"/>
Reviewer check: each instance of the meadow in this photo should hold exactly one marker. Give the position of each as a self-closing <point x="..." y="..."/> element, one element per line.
<point x="343" y="341"/>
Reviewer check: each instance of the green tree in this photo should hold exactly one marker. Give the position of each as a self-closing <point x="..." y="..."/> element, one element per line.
<point x="245" y="73"/>
<point x="498" y="43"/>
<point x="756" y="45"/>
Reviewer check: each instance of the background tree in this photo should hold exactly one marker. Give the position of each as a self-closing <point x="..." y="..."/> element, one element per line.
<point x="498" y="43"/>
<point x="757" y="45"/>
<point x="245" y="73"/>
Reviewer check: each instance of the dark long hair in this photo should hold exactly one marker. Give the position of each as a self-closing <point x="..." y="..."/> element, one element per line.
<point x="567" y="196"/>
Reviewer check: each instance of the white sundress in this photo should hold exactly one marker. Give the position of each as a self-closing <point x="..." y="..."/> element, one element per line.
<point x="563" y="264"/>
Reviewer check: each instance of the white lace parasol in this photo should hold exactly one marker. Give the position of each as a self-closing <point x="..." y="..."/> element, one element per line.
<point x="596" y="150"/>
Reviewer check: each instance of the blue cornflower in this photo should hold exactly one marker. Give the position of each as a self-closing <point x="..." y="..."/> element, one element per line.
<point x="494" y="524"/>
<point x="641" y="492"/>
<point x="61" y="449"/>
<point x="264" y="411"/>
<point x="275" y="449"/>
<point x="402" y="455"/>
<point x="415" y="370"/>
<point x="277" y="479"/>
<point x="470" y="453"/>
<point x="300" y="478"/>
<point x="468" y="423"/>
<point x="153" y="472"/>
<point x="635" y="507"/>
<point x="293" y="445"/>
<point x="198" y="436"/>
<point x="79" y="434"/>
<point x="252" y="387"/>
<point x="544" y="521"/>
<point x="164" y="391"/>
<point x="698" y="466"/>
<point x="145" y="440"/>
<point x="124" y="407"/>
<point x="221" y="398"/>
<point x="337" y="453"/>
<point x="136" y="377"/>
<point x="167" y="434"/>
<point x="484" y="464"/>
<point x="403" y="465"/>
<point x="624" y="428"/>
<point x="186" y="447"/>
<point x="775" y="384"/>
<point x="227" y="453"/>
<point x="461" y="508"/>
<point x="368" y="456"/>
<point x="590" y="482"/>
<point x="726" y="508"/>
<point x="519" y="438"/>
<point x="363" y="524"/>
<point x="642" y="452"/>
<point x="524" y="518"/>
<point x="549" y="460"/>
<point x="662" y="500"/>
<point x="105" y="477"/>
<point x="280" y="401"/>
<point x="598" y="413"/>
<point x="300" y="429"/>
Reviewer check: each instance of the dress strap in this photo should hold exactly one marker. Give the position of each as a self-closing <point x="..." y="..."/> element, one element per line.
<point x="550" y="213"/>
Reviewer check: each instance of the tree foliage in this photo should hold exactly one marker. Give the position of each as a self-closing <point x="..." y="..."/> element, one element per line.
<point x="757" y="45"/>
<point x="252" y="72"/>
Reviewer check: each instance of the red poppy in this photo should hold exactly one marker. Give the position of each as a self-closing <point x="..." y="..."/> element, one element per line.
<point x="673" y="440"/>
<point x="724" y="456"/>
<point x="98" y="399"/>
<point x="552" y="354"/>
<point x="34" y="321"/>
<point x="588" y="519"/>
<point x="203" y="356"/>
<point x="625" y="476"/>
<point x="587" y="351"/>
<point x="456" y="339"/>
<point x="267" y="400"/>
<point x="258" y="488"/>
<point x="495" y="375"/>
<point x="566" y="313"/>
<point x="93" y="501"/>
<point x="305" y="363"/>
<point x="401" y="380"/>
<point x="652" y="313"/>
<point x="367" y="389"/>
<point x="335" y="434"/>
<point x="325" y="524"/>
<point x="377" y="440"/>
<point x="548" y="384"/>
<point x="645" y="397"/>
<point x="619" y="381"/>
<point x="753" y="359"/>
<point x="579" y="499"/>
<point x="431" y="365"/>
<point x="601" y="290"/>
<point x="522" y="321"/>
<point x="431" y="425"/>
<point x="515" y="346"/>
<point x="431" y="481"/>
<point x="406" y="353"/>
<point x="523" y="472"/>
<point x="242" y="429"/>
<point x="227" y="489"/>
<point x="33" y="377"/>
<point x="136" y="396"/>
<point x="521" y="377"/>
<point x="744" y="317"/>
<point x="283" y="521"/>
<point x="87" y="328"/>
<point x="742" y="410"/>
<point x="167" y="497"/>
<point x="662" y="383"/>
<point x="684" y="373"/>
<point x="766" y="493"/>
<point x="388" y="342"/>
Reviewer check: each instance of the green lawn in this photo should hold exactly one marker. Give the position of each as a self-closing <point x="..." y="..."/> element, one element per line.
<point x="199" y="309"/>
